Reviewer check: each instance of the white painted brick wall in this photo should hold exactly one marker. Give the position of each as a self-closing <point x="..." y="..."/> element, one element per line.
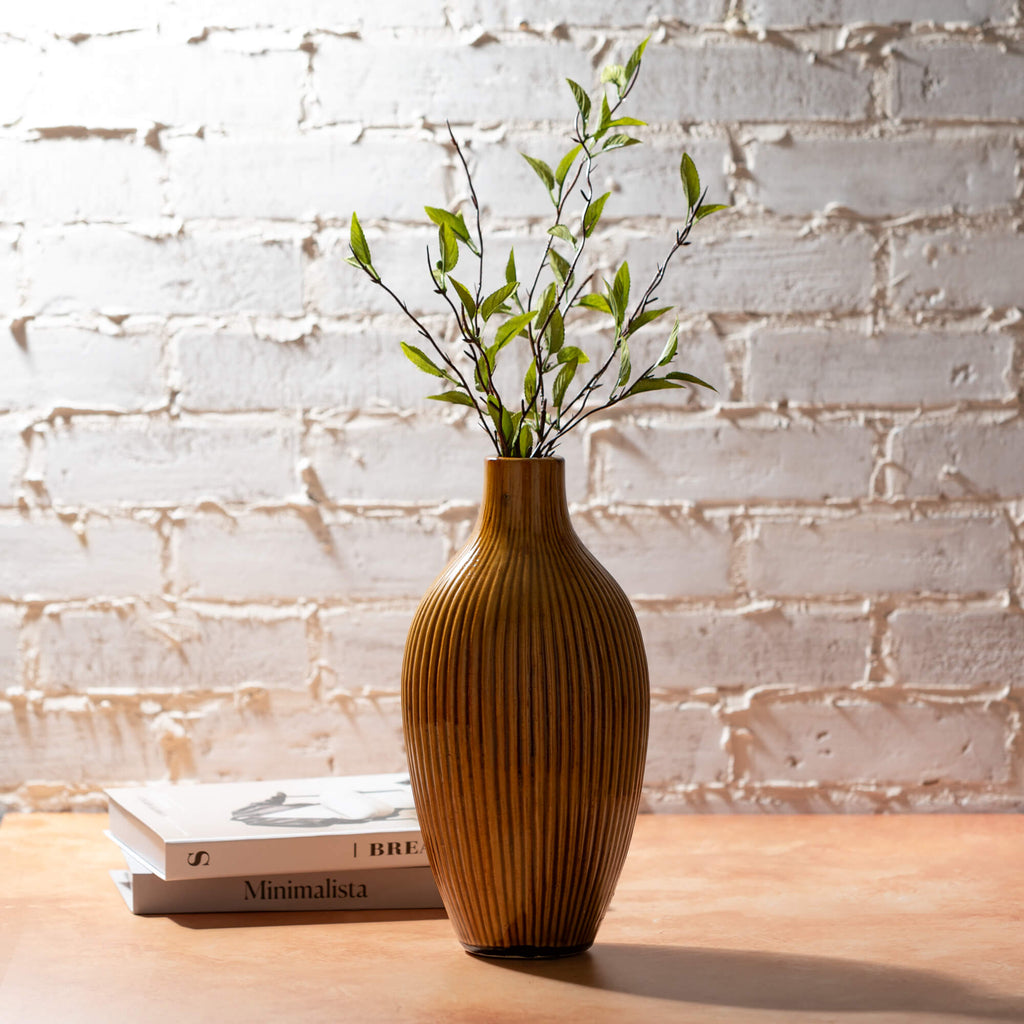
<point x="953" y="270"/>
<point x="67" y="179"/>
<point x="285" y="556"/>
<point x="954" y="80"/>
<point x="758" y="646"/>
<point x="972" y="648"/>
<point x="782" y="13"/>
<point x="163" y="648"/>
<point x="222" y="488"/>
<point x="947" y="459"/>
<point x="924" y="368"/>
<point x="874" y="555"/>
<point x="912" y="743"/>
<point x="799" y="176"/>
<point x="44" y="558"/>
<point x="100" y="367"/>
<point x="107" y="462"/>
<point x="716" y="460"/>
<point x="115" y="270"/>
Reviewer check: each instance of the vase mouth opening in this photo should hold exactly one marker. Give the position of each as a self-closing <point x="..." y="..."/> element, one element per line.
<point x="523" y="459"/>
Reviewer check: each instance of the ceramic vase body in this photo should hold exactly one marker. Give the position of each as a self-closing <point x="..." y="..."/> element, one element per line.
<point x="525" y="703"/>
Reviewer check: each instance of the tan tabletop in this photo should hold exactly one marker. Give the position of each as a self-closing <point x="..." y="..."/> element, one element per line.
<point x="716" y="919"/>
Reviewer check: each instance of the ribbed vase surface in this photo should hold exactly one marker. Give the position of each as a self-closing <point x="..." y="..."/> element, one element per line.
<point x="525" y="705"/>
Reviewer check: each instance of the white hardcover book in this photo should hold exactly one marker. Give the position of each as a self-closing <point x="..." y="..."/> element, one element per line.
<point x="373" y="889"/>
<point x="224" y="829"/>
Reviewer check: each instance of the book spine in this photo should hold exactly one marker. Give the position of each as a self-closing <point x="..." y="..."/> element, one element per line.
<point x="303" y="854"/>
<point x="401" y="889"/>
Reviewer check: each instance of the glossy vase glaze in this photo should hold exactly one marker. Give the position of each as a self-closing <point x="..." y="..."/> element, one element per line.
<point x="525" y="704"/>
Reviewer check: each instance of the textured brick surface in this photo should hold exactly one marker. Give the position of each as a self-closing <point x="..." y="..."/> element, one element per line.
<point x="711" y="460"/>
<point x="851" y="741"/>
<point x="155" y="461"/>
<point x="288" y="557"/>
<point x="841" y="368"/>
<point x="962" y="459"/>
<point x="872" y="555"/>
<point x="163" y="648"/>
<point x="958" y="270"/>
<point x="45" y="558"/>
<point x="10" y="658"/>
<point x="948" y="81"/>
<point x="118" y="271"/>
<point x="938" y="172"/>
<point x="778" y="13"/>
<point x="223" y="489"/>
<point x="763" y="647"/>
<point x="72" y="367"/>
<point x="687" y="746"/>
<point x="981" y="647"/>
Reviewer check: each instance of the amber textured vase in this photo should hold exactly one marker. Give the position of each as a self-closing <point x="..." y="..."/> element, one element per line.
<point x="525" y="704"/>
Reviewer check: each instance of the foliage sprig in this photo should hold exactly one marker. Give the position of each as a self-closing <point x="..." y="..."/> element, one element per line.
<point x="561" y="384"/>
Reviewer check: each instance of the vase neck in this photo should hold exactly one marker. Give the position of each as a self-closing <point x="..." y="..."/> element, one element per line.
<point x="524" y="496"/>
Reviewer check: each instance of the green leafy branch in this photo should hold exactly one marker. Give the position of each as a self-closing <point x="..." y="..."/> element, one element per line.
<point x="553" y="401"/>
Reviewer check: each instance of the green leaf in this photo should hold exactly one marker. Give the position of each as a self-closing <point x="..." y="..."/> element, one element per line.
<point x="565" y="163"/>
<point x="710" y="208"/>
<point x="646" y="317"/>
<point x="484" y="361"/>
<point x="625" y="365"/>
<point x="454" y="220"/>
<point x="530" y="382"/>
<point x="593" y="214"/>
<point x="634" y="59"/>
<point x="419" y="359"/>
<point x="543" y="171"/>
<point x="510" y="267"/>
<point x="621" y="122"/>
<point x="606" y="114"/>
<point x="596" y="301"/>
<point x="562" y="382"/>
<point x="614" y="73"/>
<point x="449" y="247"/>
<point x="691" y="180"/>
<point x="512" y="328"/>
<point x="547" y="302"/>
<point x="455" y="397"/>
<point x="494" y="411"/>
<point x="620" y="290"/>
<point x="573" y="354"/>
<point x="556" y="331"/>
<point x="508" y="427"/>
<point x="560" y="266"/>
<point x="668" y="353"/>
<point x="524" y="442"/>
<point x="357" y="242"/>
<point x="465" y="297"/>
<point x="690" y="379"/>
<point x="650" y="384"/>
<point x="618" y="142"/>
<point x="496" y="299"/>
<point x="561" y="231"/>
<point x="582" y="100"/>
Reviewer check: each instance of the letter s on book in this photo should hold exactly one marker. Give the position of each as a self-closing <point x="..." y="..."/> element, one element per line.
<point x="198" y="859"/>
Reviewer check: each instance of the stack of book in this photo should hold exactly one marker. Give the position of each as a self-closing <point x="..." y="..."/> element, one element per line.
<point x="304" y="844"/>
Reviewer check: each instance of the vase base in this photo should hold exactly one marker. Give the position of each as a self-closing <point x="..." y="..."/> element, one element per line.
<point x="526" y="952"/>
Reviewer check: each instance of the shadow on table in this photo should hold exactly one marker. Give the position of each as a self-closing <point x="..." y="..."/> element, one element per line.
<point x="277" y="918"/>
<point x="771" y="981"/>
